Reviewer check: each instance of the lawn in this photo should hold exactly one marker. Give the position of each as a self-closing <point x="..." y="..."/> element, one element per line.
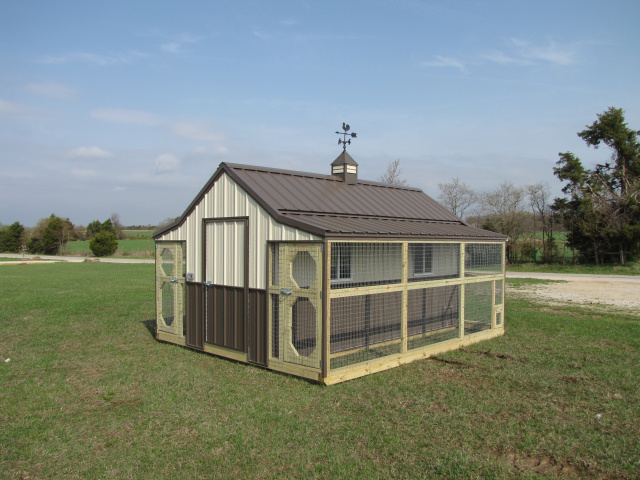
<point x="88" y="392"/>
<point x="136" y="248"/>
<point x="631" y="268"/>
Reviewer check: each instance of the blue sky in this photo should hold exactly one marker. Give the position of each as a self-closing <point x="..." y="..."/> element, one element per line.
<point x="130" y="106"/>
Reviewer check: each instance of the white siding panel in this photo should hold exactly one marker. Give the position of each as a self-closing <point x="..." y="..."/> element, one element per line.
<point x="227" y="199"/>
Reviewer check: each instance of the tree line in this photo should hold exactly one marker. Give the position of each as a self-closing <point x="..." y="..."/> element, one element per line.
<point x="50" y="235"/>
<point x="599" y="217"/>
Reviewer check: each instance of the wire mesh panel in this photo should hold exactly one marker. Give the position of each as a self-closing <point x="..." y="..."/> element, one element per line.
<point x="362" y="264"/>
<point x="498" y="296"/>
<point x="304" y="327"/>
<point x="432" y="315"/>
<point x="365" y="327"/>
<point x="168" y="304"/>
<point x="477" y="307"/>
<point x="482" y="259"/>
<point x="275" y="325"/>
<point x="433" y="261"/>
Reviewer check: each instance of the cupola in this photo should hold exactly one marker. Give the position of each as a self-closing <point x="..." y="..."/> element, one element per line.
<point x="346" y="168"/>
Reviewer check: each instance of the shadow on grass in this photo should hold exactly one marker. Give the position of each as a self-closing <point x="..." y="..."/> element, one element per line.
<point x="151" y="326"/>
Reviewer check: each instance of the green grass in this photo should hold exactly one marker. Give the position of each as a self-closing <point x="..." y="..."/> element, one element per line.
<point x="138" y="248"/>
<point x="631" y="268"/>
<point x="89" y="393"/>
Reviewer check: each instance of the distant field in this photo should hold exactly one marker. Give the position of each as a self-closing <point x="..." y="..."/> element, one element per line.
<point x="141" y="248"/>
<point x="138" y="234"/>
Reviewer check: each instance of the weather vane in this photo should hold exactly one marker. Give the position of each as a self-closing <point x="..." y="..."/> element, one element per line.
<point x="343" y="141"/>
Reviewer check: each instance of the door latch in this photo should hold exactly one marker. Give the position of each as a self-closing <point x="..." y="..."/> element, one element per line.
<point x="286" y="291"/>
<point x="174" y="280"/>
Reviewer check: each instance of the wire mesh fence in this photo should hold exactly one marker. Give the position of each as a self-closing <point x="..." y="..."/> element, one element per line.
<point x="366" y="327"/>
<point x="365" y="264"/>
<point x="483" y="259"/>
<point x="432" y="315"/>
<point x="385" y="299"/>
<point x="478" y="307"/>
<point x="433" y="261"/>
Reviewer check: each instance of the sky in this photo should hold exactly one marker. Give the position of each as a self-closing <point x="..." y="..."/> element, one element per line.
<point x="129" y="107"/>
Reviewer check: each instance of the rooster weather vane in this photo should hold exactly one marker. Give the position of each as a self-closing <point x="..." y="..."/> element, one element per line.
<point x="343" y="141"/>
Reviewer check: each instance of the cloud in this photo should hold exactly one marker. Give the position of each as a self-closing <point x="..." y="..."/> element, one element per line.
<point x="172" y="47"/>
<point x="441" y="61"/>
<point x="83" y="173"/>
<point x="167" y="162"/>
<point x="525" y="53"/>
<point x="94" y="58"/>
<point x="132" y="117"/>
<point x="119" y="189"/>
<point x="191" y="130"/>
<point x="89" y="152"/>
<point x="10" y="108"/>
<point x="50" y="90"/>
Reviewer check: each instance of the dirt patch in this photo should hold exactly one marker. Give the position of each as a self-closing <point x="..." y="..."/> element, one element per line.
<point x="542" y="465"/>
<point x="620" y="293"/>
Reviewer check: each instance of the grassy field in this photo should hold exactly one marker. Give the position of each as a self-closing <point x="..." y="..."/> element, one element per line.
<point x="631" y="268"/>
<point x="88" y="392"/>
<point x="136" y="248"/>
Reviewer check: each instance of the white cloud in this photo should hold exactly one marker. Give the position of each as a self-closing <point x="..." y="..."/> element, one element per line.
<point x="89" y="152"/>
<point x="14" y="108"/>
<point x="171" y="47"/>
<point x="83" y="173"/>
<point x="525" y="53"/>
<point x="94" y="58"/>
<point x="50" y="90"/>
<point x="133" y="117"/>
<point x="191" y="130"/>
<point x="119" y="189"/>
<point x="167" y="162"/>
<point x="441" y="61"/>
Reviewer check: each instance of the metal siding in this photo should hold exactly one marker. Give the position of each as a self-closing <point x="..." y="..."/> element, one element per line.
<point x="226" y="198"/>
<point x="257" y="328"/>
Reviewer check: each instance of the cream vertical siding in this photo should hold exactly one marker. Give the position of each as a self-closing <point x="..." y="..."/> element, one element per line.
<point x="227" y="199"/>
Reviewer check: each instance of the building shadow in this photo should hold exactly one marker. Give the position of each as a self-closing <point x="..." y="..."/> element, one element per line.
<point x="151" y="326"/>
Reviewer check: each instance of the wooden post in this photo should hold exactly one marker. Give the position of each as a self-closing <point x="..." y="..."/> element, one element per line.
<point x="462" y="293"/>
<point x="405" y="296"/>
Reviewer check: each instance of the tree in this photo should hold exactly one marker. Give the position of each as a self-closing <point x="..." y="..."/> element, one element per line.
<point x="504" y="213"/>
<point x="104" y="244"/>
<point x="539" y="202"/>
<point x="105" y="241"/>
<point x="602" y="213"/>
<point x="117" y="226"/>
<point x="11" y="238"/>
<point x="393" y="175"/>
<point x="457" y="196"/>
<point x="49" y="235"/>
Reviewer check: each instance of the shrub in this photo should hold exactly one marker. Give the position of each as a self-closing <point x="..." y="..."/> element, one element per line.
<point x="103" y="244"/>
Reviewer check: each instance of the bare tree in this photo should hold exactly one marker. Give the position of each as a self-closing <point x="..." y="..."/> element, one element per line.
<point x="117" y="226"/>
<point x="539" y="202"/>
<point x="393" y="174"/>
<point x="457" y="196"/>
<point x="504" y="212"/>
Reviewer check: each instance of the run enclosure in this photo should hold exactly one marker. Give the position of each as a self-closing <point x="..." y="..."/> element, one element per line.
<point x="340" y="310"/>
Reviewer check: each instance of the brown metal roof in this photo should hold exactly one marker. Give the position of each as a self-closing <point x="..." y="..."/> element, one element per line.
<point x="327" y="206"/>
<point x="339" y="225"/>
